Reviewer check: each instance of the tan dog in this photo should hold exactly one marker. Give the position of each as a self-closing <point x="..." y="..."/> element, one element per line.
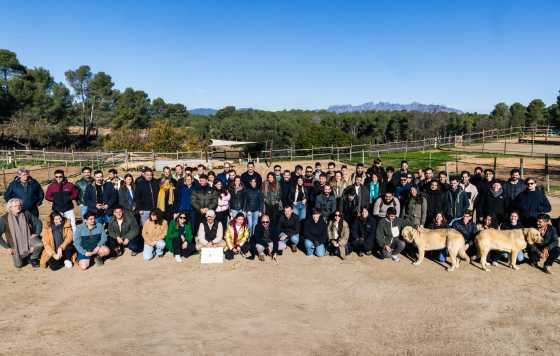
<point x="428" y="240"/>
<point x="511" y="241"/>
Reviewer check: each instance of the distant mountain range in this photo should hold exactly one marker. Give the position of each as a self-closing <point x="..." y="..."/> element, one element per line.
<point x="382" y="106"/>
<point x="203" y="111"/>
<point x="371" y="106"/>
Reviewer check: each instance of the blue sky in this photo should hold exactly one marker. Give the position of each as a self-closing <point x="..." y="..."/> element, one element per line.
<point x="300" y="54"/>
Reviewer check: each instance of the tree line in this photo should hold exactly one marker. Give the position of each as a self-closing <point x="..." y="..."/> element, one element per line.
<point x="36" y="110"/>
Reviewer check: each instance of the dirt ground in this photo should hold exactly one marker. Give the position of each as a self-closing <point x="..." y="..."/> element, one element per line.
<point x="300" y="305"/>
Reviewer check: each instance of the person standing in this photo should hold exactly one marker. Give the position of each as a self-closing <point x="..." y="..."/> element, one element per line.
<point x="338" y="186"/>
<point x="224" y="176"/>
<point x="224" y="199"/>
<point x="382" y="204"/>
<point x="415" y="209"/>
<point x="513" y="187"/>
<point x="62" y="194"/>
<point x="493" y="202"/>
<point x="469" y="188"/>
<point x="27" y="189"/>
<point x="166" y="198"/>
<point x="272" y="197"/>
<point x="101" y="197"/>
<point x="204" y="198"/>
<point x="253" y="205"/>
<point x="114" y="178"/>
<point x="237" y="200"/>
<point x="298" y="198"/>
<point x="57" y="238"/>
<point x="126" y="194"/>
<point x="82" y="184"/>
<point x="457" y="200"/>
<point x="355" y="198"/>
<point x="21" y="230"/>
<point x="251" y="174"/>
<point x="435" y="200"/>
<point x="326" y="203"/>
<point x="146" y="195"/>
<point x="186" y="186"/>
<point x="531" y="203"/>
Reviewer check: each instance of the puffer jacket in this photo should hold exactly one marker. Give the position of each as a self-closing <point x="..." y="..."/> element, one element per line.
<point x="205" y="197"/>
<point x="253" y="200"/>
<point x="30" y="193"/>
<point x="236" y="240"/>
<point x="414" y="211"/>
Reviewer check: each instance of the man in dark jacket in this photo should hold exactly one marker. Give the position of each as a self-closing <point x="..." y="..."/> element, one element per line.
<point x="457" y="200"/>
<point x="467" y="228"/>
<point x="363" y="233"/>
<point x="224" y="176"/>
<point x="146" y="194"/>
<point x="27" y="189"/>
<point x="186" y="186"/>
<point x="123" y="233"/>
<point x="61" y="193"/>
<point x="513" y="187"/>
<point x="288" y="227"/>
<point x="81" y="184"/>
<point x="315" y="234"/>
<point x="326" y="203"/>
<point x="250" y="174"/>
<point x="286" y="187"/>
<point x="548" y="248"/>
<point x="266" y="239"/>
<point x="354" y="199"/>
<point x="388" y="235"/>
<point x="531" y="203"/>
<point x="378" y="170"/>
<point x="204" y="198"/>
<point x="100" y="198"/>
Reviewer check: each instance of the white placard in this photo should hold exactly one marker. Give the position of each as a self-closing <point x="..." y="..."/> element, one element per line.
<point x="212" y="255"/>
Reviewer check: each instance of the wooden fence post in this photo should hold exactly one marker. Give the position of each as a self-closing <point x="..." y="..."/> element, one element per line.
<point x="363" y="156"/>
<point x="350" y="152"/>
<point x="546" y="173"/>
<point x="44" y="156"/>
<point x="126" y="160"/>
<point x="483" y="139"/>
<point x="495" y="164"/>
<point x="4" y="178"/>
<point x="522" y="168"/>
<point x="447" y="168"/>
<point x="15" y="158"/>
<point x="456" y="162"/>
<point x="533" y="142"/>
<point x="505" y="144"/>
<point x="312" y="153"/>
<point x="338" y="154"/>
<point x="430" y="159"/>
<point x="73" y="157"/>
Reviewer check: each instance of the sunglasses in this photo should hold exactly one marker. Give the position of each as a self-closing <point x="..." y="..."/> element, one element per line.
<point x="183" y="217"/>
<point x="266" y="222"/>
<point x="337" y="215"/>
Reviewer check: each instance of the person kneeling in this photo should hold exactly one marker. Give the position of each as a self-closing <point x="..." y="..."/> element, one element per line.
<point x="363" y="233"/>
<point x="237" y="236"/>
<point x="179" y="238"/>
<point x="315" y="234"/>
<point x="153" y="232"/>
<point x="388" y="235"/>
<point x="57" y="242"/>
<point x="123" y="233"/>
<point x="89" y="241"/>
<point x="210" y="232"/>
<point x="548" y="249"/>
<point x="267" y="239"/>
<point x="339" y="233"/>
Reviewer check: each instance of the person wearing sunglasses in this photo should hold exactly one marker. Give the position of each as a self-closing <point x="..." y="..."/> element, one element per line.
<point x="179" y="238"/>
<point x="62" y="194"/>
<point x="267" y="241"/>
<point x="531" y="203"/>
<point x="339" y="233"/>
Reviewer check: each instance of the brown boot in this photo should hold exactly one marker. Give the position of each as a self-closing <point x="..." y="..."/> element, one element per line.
<point x="261" y="258"/>
<point x="293" y="248"/>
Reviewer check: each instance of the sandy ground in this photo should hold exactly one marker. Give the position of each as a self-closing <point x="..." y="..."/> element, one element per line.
<point x="302" y="305"/>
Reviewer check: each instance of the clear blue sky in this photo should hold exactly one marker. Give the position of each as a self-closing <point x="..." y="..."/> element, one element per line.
<point x="300" y="54"/>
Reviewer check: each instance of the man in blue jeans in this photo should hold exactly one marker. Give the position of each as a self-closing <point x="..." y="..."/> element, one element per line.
<point x="288" y="227"/>
<point x="315" y="234"/>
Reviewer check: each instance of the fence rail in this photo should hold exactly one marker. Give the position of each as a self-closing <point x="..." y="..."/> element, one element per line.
<point x="532" y="135"/>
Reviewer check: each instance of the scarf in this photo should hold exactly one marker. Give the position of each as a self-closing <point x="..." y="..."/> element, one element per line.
<point x="57" y="235"/>
<point x="373" y="191"/>
<point x="21" y="234"/>
<point x="497" y="193"/>
<point x="167" y="187"/>
<point x="236" y="231"/>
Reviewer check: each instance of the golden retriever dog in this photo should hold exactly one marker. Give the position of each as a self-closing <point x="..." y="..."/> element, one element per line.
<point x="510" y="241"/>
<point x="428" y="240"/>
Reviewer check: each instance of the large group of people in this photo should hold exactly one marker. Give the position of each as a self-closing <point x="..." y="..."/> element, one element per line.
<point x="319" y="211"/>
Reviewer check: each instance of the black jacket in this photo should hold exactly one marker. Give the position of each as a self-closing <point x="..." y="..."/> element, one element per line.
<point x="253" y="200"/>
<point x="285" y="189"/>
<point x="145" y="194"/>
<point x="125" y="200"/>
<point x="237" y="200"/>
<point x="492" y="204"/>
<point x="316" y="232"/>
<point x="263" y="238"/>
<point x="246" y="179"/>
<point x="288" y="226"/>
<point x="364" y="229"/>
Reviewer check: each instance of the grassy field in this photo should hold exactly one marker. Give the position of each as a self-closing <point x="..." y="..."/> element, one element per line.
<point x="416" y="159"/>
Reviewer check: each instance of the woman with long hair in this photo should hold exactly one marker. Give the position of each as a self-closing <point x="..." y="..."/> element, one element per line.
<point x="339" y="233"/>
<point x="179" y="237"/>
<point x="298" y="198"/>
<point x="224" y="198"/>
<point x="153" y="233"/>
<point x="166" y="198"/>
<point x="237" y="200"/>
<point x="126" y="194"/>
<point x="415" y="209"/>
<point x="57" y="242"/>
<point x="272" y="198"/>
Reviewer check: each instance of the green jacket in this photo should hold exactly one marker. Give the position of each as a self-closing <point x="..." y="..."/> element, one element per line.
<point x="129" y="229"/>
<point x="384" y="234"/>
<point x="173" y="233"/>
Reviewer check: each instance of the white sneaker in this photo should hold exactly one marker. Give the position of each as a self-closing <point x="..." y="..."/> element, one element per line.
<point x="178" y="259"/>
<point x="68" y="264"/>
<point x="395" y="258"/>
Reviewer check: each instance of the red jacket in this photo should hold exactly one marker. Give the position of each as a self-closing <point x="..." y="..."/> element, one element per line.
<point x="61" y="195"/>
